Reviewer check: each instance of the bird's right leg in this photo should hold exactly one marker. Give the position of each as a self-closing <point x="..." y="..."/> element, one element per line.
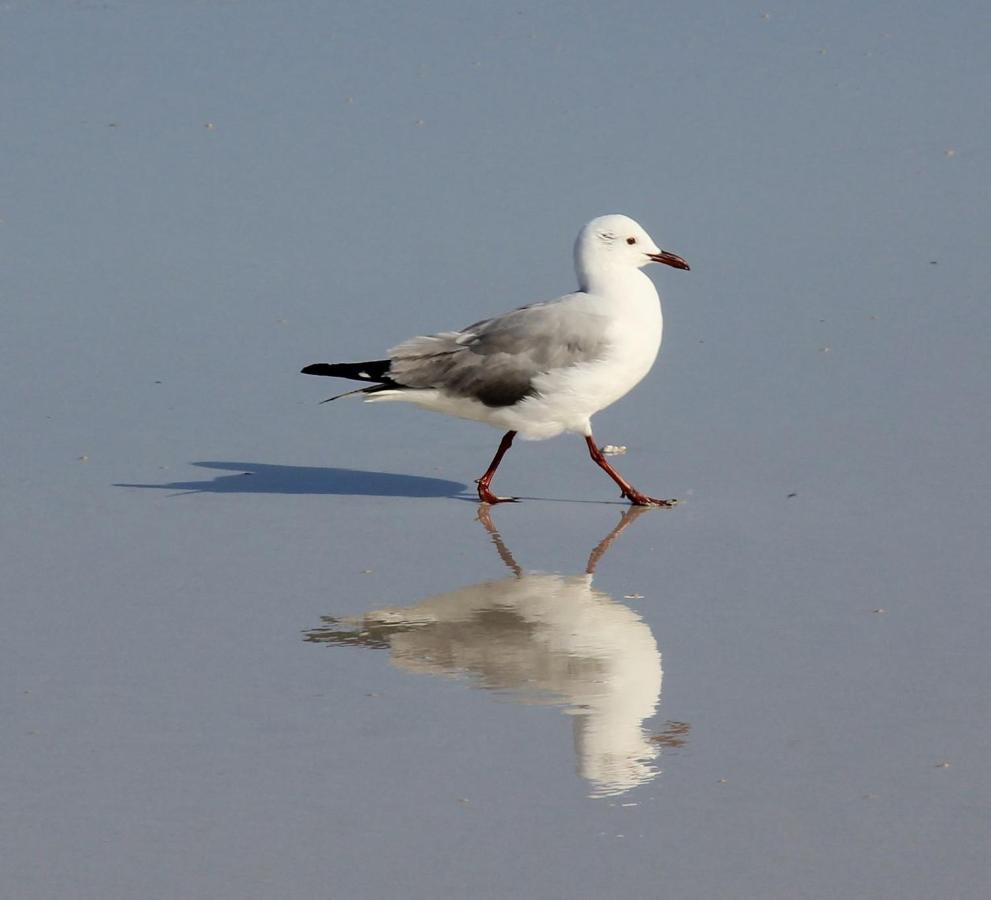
<point x="484" y="494"/>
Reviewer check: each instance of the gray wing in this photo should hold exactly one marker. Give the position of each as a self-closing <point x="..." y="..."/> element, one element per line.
<point x="496" y="360"/>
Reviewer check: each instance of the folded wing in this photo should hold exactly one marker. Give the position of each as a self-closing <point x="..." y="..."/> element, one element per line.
<point x="496" y="360"/>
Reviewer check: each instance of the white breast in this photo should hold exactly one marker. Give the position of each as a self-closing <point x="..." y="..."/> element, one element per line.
<point x="568" y="398"/>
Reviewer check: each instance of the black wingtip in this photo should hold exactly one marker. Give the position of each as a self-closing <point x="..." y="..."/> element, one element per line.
<point x="373" y="370"/>
<point x="316" y="369"/>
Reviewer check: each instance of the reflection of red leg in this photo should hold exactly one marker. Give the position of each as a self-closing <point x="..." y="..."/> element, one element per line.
<point x="484" y="494"/>
<point x="629" y="515"/>
<point x="485" y="517"/>
<point x="628" y="490"/>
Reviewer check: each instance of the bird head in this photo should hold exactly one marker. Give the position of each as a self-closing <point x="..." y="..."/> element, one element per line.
<point x="616" y="241"/>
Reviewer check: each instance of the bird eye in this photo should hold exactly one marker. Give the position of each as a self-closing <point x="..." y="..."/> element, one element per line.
<point x="631" y="240"/>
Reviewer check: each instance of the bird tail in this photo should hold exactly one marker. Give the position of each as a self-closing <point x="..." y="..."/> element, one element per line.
<point x="373" y="371"/>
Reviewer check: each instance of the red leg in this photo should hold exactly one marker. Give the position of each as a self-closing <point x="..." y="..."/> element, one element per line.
<point x="628" y="490"/>
<point x="484" y="494"/>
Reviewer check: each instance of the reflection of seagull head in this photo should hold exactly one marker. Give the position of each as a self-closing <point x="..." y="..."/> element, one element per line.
<point x="542" y="639"/>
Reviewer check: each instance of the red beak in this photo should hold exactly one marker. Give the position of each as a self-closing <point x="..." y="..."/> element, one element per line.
<point x="669" y="259"/>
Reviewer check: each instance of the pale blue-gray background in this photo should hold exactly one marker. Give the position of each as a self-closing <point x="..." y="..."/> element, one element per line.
<point x="197" y="198"/>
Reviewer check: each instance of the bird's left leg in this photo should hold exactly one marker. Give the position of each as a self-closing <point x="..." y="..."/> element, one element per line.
<point x="484" y="494"/>
<point x="628" y="490"/>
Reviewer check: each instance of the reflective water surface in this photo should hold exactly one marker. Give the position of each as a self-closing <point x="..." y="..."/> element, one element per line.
<point x="196" y="198"/>
<point x="539" y="639"/>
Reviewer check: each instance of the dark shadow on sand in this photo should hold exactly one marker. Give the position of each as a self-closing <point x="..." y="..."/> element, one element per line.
<point x="262" y="478"/>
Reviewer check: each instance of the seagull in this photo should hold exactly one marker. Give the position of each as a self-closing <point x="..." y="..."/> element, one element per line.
<point x="545" y="368"/>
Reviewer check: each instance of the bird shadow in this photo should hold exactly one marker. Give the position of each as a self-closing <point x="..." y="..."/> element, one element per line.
<point x="263" y="478"/>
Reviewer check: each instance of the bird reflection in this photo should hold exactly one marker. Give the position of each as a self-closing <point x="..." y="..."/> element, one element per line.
<point x="541" y="639"/>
